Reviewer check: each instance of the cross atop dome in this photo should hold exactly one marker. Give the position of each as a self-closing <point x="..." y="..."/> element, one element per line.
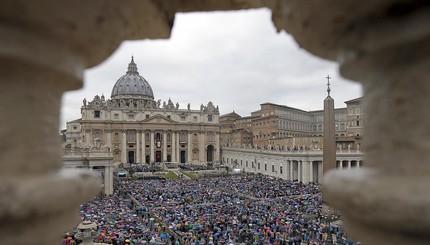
<point x="328" y="84"/>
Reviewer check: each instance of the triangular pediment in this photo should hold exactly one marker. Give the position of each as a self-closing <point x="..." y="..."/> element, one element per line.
<point x="159" y="119"/>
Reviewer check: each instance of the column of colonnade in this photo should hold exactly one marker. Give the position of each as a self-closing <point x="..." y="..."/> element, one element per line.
<point x="108" y="180"/>
<point x="305" y="171"/>
<point x="286" y="169"/>
<point x="340" y="163"/>
<point x="311" y="171"/>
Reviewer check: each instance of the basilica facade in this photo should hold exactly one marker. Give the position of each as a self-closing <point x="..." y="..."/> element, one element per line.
<point x="133" y="127"/>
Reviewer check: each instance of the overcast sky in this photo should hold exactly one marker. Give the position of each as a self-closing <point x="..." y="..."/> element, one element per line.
<point x="235" y="59"/>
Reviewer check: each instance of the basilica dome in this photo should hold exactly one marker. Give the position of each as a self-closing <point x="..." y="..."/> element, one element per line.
<point x="132" y="85"/>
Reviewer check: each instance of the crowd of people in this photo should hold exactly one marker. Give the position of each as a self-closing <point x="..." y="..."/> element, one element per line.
<point x="235" y="209"/>
<point x="141" y="167"/>
<point x="194" y="167"/>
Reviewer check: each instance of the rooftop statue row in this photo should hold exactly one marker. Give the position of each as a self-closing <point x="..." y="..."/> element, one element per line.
<point x="99" y="102"/>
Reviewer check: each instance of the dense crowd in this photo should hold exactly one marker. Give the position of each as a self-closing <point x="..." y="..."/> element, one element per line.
<point x="194" y="167"/>
<point x="217" y="210"/>
<point x="141" y="167"/>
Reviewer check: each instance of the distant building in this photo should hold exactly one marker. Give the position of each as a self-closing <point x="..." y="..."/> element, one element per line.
<point x="280" y="125"/>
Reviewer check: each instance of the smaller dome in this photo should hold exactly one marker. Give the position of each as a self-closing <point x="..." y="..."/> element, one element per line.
<point x="132" y="85"/>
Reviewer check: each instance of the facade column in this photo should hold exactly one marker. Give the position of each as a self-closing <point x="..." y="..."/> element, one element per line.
<point x="173" y="146"/>
<point x="151" y="146"/>
<point x="164" y="146"/>
<point x="217" y="149"/>
<point x="190" y="150"/>
<point x="349" y="164"/>
<point x="138" y="146"/>
<point x="143" y="147"/>
<point x="108" y="138"/>
<point x="202" y="148"/>
<point x="311" y="171"/>
<point x="88" y="138"/>
<point x="340" y="164"/>
<point x="124" y="147"/>
<point x="178" y="148"/>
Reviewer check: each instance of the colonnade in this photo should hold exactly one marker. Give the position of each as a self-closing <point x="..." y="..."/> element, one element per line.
<point x="305" y="167"/>
<point x="348" y="164"/>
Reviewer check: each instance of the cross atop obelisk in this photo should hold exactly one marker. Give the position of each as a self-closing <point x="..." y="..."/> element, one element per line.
<point x="328" y="84"/>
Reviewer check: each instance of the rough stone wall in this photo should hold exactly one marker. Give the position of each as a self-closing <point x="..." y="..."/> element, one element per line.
<point x="45" y="45"/>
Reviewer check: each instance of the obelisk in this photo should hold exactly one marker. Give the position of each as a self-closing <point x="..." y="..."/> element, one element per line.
<point x="329" y="147"/>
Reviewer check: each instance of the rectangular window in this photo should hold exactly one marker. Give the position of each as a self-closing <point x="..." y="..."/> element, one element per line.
<point x="74" y="127"/>
<point x="169" y="116"/>
<point x="97" y="114"/>
<point x="183" y="118"/>
<point x="280" y="169"/>
<point x="146" y="116"/>
<point x="209" y="118"/>
<point x="273" y="168"/>
<point x="265" y="167"/>
<point x="131" y="116"/>
<point x="116" y="116"/>
<point x="195" y="119"/>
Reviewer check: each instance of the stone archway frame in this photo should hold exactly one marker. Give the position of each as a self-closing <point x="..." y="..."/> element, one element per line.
<point x="350" y="32"/>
